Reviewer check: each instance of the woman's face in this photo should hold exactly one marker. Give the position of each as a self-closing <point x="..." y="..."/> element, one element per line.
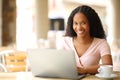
<point x="81" y="25"/>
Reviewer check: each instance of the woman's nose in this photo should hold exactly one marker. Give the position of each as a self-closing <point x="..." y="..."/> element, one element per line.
<point x="79" y="27"/>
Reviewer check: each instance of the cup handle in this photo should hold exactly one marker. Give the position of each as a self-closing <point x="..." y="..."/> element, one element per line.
<point x="99" y="70"/>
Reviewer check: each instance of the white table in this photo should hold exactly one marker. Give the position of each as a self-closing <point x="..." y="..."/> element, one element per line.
<point x="29" y="76"/>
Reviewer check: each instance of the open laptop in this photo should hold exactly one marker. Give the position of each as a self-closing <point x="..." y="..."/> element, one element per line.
<point x="53" y="63"/>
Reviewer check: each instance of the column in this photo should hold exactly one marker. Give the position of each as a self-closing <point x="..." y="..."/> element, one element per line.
<point x="113" y="22"/>
<point x="41" y="18"/>
<point x="8" y="22"/>
<point x="0" y="22"/>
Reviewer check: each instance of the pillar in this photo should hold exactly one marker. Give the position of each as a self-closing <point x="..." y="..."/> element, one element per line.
<point x="113" y="22"/>
<point x="41" y="18"/>
<point x="0" y="22"/>
<point x="8" y="22"/>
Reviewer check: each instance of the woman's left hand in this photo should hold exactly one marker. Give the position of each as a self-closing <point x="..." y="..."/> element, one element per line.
<point x="81" y="70"/>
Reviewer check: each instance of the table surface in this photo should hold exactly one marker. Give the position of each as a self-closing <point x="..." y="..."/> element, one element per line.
<point x="29" y="76"/>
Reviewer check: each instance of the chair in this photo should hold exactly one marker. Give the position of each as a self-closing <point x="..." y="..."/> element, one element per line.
<point x="2" y="68"/>
<point x="15" y="61"/>
<point x="3" y="51"/>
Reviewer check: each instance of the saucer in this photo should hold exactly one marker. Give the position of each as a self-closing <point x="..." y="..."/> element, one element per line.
<point x="106" y="77"/>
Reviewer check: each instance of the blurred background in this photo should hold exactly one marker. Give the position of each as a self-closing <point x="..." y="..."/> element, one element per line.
<point x="29" y="23"/>
<point x="41" y="23"/>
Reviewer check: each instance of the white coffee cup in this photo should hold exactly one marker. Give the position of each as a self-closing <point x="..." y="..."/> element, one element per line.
<point x="105" y="70"/>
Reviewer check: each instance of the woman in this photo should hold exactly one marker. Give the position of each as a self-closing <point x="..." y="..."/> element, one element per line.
<point x="86" y="37"/>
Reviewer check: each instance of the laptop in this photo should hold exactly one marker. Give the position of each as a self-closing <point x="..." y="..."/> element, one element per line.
<point x="53" y="63"/>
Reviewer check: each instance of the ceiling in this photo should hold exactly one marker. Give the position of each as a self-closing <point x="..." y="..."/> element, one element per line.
<point x="100" y="3"/>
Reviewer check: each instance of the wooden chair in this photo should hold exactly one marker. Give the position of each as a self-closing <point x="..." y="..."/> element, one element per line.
<point x="15" y="61"/>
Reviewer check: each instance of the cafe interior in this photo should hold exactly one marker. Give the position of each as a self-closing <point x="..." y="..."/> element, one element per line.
<point x="28" y="24"/>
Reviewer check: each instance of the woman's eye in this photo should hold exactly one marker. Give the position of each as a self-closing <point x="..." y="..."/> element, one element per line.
<point x="75" y="23"/>
<point x="83" y="23"/>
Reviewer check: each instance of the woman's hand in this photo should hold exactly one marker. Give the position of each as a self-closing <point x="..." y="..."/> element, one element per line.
<point x="81" y="70"/>
<point x="88" y="70"/>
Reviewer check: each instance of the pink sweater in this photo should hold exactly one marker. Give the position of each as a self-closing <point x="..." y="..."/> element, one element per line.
<point x="92" y="56"/>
